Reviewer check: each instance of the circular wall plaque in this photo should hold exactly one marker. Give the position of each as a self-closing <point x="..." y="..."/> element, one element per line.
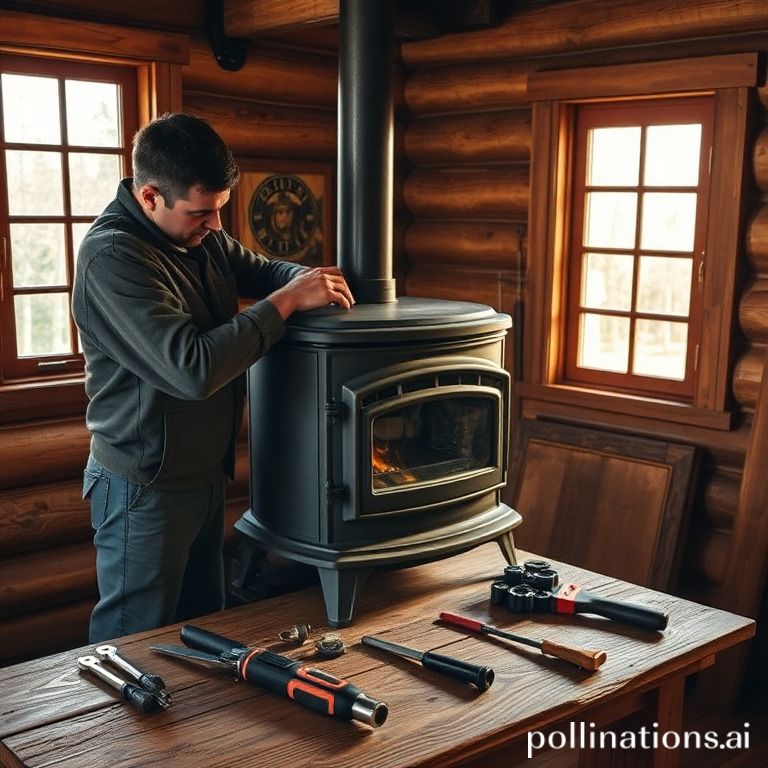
<point x="284" y="217"/>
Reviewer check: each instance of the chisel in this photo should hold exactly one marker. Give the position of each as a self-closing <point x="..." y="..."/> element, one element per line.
<point x="582" y="657"/>
<point x="480" y="677"/>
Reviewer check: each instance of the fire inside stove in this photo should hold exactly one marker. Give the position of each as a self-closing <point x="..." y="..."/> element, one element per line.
<point x="432" y="441"/>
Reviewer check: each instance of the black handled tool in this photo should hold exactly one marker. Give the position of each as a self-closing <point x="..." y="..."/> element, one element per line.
<point x="134" y="694"/>
<point x="480" y="677"/>
<point x="571" y="598"/>
<point x="151" y="683"/>
<point x="582" y="657"/>
<point x="312" y="687"/>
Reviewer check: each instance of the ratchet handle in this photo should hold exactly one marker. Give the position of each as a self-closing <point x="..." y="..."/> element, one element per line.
<point x="573" y="599"/>
<point x="210" y="642"/>
<point x="480" y="677"/>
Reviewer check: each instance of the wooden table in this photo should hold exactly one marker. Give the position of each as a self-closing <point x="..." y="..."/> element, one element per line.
<point x="52" y="715"/>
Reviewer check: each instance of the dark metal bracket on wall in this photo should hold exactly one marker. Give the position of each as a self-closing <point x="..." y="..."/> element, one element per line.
<point x="230" y="52"/>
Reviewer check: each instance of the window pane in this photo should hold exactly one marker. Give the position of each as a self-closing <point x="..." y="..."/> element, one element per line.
<point x="664" y="285"/>
<point x="78" y="233"/>
<point x="93" y="181"/>
<point x="672" y="155"/>
<point x="613" y="157"/>
<point x="31" y="109"/>
<point x="610" y="219"/>
<point x="92" y="113"/>
<point x="603" y="342"/>
<point x="669" y="221"/>
<point x="39" y="254"/>
<point x="34" y="183"/>
<point x="607" y="281"/>
<point x="660" y="349"/>
<point x="42" y="324"/>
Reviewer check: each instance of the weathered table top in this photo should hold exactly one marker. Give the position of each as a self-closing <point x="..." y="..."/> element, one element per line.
<point x="51" y="714"/>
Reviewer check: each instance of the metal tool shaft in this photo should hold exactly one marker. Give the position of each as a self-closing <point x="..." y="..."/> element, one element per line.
<point x="142" y="700"/>
<point x="149" y="682"/>
<point x="479" y="676"/>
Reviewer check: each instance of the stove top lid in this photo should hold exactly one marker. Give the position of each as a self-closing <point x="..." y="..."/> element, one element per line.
<point x="406" y="318"/>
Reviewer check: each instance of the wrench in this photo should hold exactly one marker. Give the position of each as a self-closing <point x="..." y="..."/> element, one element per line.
<point x="152" y="683"/>
<point x="143" y="700"/>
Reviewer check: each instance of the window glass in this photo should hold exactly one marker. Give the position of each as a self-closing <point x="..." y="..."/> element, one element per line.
<point x="664" y="285"/>
<point x="93" y="113"/>
<point x="669" y="221"/>
<point x="30" y="109"/>
<point x="41" y="254"/>
<point x="672" y="155"/>
<point x="607" y="281"/>
<point x="604" y="342"/>
<point x="93" y="180"/>
<point x="613" y="158"/>
<point x="35" y="186"/>
<point x="660" y="349"/>
<point x="42" y="324"/>
<point x="610" y="219"/>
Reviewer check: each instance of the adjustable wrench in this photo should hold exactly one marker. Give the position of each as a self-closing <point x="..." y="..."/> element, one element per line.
<point x="151" y="683"/>
<point x="143" y="700"/>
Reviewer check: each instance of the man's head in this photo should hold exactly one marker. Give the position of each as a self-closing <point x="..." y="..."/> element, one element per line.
<point x="182" y="176"/>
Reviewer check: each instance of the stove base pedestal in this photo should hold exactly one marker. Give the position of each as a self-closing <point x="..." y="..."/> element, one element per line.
<point x="343" y="572"/>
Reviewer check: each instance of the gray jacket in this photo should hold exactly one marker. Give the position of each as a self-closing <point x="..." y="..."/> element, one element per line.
<point x="165" y="345"/>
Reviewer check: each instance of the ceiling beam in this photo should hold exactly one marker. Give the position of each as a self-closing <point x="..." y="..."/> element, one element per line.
<point x="258" y="18"/>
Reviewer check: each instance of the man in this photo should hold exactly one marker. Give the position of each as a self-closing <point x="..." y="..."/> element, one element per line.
<point x="156" y="302"/>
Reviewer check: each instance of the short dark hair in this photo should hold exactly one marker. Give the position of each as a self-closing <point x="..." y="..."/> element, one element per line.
<point x="178" y="151"/>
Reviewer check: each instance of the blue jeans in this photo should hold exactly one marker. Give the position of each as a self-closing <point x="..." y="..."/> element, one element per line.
<point x="158" y="552"/>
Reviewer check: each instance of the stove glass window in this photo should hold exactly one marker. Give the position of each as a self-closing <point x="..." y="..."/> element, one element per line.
<point x="431" y="441"/>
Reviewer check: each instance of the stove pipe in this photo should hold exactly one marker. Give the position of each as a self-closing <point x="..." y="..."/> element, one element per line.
<point x="365" y="148"/>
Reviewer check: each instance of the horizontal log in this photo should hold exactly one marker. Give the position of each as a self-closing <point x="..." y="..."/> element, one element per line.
<point x="43" y="516"/>
<point x="45" y="632"/>
<point x="269" y="74"/>
<point x="753" y="311"/>
<point x="108" y="41"/>
<point x="41" y="453"/>
<point x="484" y="243"/>
<point x="486" y="137"/>
<point x="467" y="88"/>
<point x="760" y="160"/>
<point x="495" y="288"/>
<point x="481" y="193"/>
<point x="721" y="497"/>
<point x="255" y="18"/>
<point x="186" y="15"/>
<point x="36" y="581"/>
<point x="757" y="240"/>
<point x="267" y="130"/>
<point x="580" y="25"/>
<point x="748" y="374"/>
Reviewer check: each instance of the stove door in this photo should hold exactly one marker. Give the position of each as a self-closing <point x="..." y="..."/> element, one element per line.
<point x="424" y="435"/>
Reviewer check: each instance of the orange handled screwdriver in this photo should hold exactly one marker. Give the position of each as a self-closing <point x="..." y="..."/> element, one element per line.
<point x="582" y="657"/>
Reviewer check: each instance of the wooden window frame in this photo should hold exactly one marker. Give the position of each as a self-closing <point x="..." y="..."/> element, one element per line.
<point x="157" y="58"/>
<point x="553" y="95"/>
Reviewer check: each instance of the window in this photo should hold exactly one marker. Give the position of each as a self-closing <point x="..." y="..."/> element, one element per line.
<point x="635" y="217"/>
<point x="85" y="138"/>
<point x="64" y="145"/>
<point x="640" y="204"/>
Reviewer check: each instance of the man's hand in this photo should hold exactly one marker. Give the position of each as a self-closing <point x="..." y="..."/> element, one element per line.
<point x="312" y="288"/>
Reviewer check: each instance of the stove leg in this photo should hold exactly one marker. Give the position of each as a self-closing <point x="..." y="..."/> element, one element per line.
<point x="506" y="543"/>
<point x="341" y="588"/>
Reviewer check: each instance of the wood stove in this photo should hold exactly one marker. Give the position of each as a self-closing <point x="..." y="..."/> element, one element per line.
<point x="379" y="435"/>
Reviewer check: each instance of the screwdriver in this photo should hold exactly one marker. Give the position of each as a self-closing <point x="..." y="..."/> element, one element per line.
<point x="480" y="677"/>
<point x="582" y="657"/>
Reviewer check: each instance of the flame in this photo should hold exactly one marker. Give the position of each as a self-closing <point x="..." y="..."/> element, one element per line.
<point x="385" y="459"/>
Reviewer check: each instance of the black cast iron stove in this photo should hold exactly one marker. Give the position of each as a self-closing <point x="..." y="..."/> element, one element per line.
<point x="378" y="436"/>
